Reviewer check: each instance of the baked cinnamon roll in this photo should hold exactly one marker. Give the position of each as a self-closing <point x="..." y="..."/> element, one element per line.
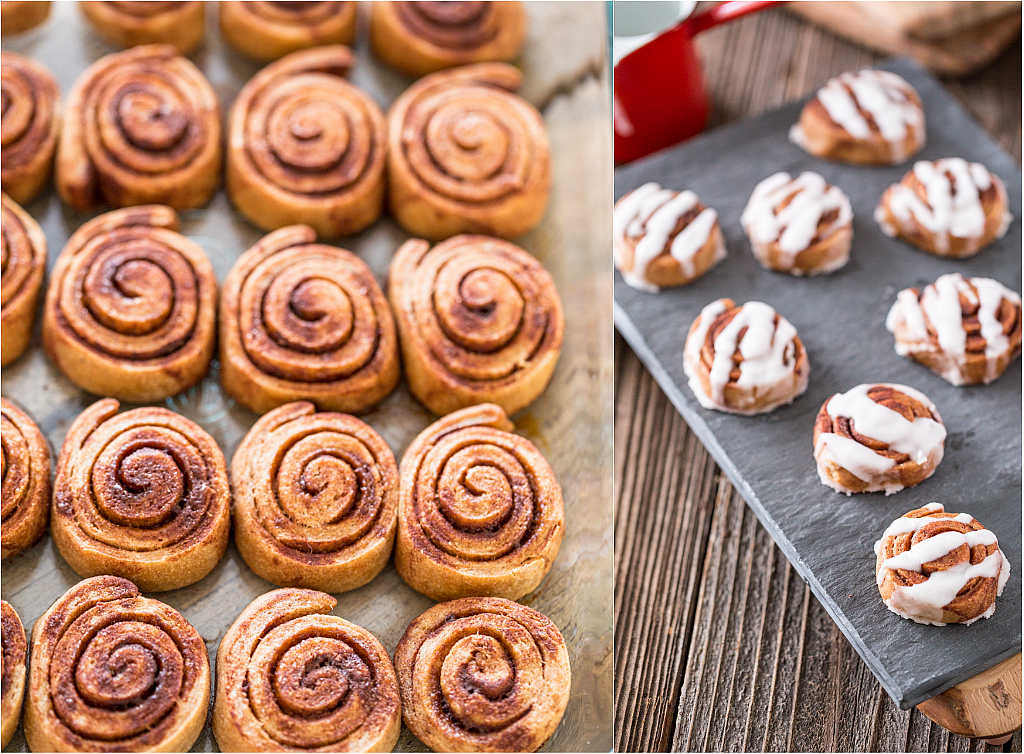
<point x="466" y="155"/>
<point x="17" y="16"/>
<point x="179" y="23"/>
<point x="479" y="321"/>
<point x="114" y="671"/>
<point x="315" y="498"/>
<point x="950" y="208"/>
<point x="29" y="125"/>
<point x="803" y="226"/>
<point x="966" y="330"/>
<point x="480" y="511"/>
<point x="14" y="649"/>
<point x="664" y="238"/>
<point x="307" y="146"/>
<point x="267" y="30"/>
<point x="141" y="127"/>
<point x="24" y="267"/>
<point x="26" y="480"/>
<point x="482" y="674"/>
<point x="143" y="493"/>
<point x="131" y="308"/>
<point x="938" y="568"/>
<point x="744" y="359"/>
<point x="877" y="437"/>
<point x="292" y="677"/>
<point x="301" y="320"/>
<point x="418" y="38"/>
<point x="869" y="117"/>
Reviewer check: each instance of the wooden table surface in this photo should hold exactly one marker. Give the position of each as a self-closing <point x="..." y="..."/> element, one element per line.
<point x="719" y="645"/>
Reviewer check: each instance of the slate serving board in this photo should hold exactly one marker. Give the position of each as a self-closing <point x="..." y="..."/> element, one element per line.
<point x="841" y="319"/>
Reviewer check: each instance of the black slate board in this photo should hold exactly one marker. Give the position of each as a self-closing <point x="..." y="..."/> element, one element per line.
<point x="840" y="317"/>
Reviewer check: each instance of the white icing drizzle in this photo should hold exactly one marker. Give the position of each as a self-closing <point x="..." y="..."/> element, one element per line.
<point x="795" y="225"/>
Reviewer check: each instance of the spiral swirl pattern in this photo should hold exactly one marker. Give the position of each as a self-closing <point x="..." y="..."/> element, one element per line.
<point x="467" y="155"/>
<point x="29" y="98"/>
<point x="142" y="126"/>
<point x="115" y="671"/>
<point x="25" y="467"/>
<point x="290" y="676"/>
<point x="24" y="267"/>
<point x="307" y="146"/>
<point x="14" y="652"/>
<point x="482" y="674"/>
<point x="268" y="30"/>
<point x="180" y="23"/>
<point x="305" y="321"/>
<point x="142" y="493"/>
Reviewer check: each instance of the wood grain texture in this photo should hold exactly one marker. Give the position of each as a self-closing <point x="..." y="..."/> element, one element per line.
<point x="719" y="644"/>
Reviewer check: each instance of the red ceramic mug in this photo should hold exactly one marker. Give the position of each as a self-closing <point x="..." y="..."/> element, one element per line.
<point x="659" y="88"/>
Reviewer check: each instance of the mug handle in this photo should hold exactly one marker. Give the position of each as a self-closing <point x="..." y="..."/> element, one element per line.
<point x="723" y="12"/>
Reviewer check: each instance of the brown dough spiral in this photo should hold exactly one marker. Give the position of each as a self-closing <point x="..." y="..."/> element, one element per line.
<point x="315" y="499"/>
<point x="14" y="650"/>
<point x="142" y="126"/>
<point x="17" y="16"/>
<point x="466" y="155"/>
<point x="480" y="512"/>
<point x="143" y="493"/>
<point x="115" y="671"/>
<point x="479" y="320"/>
<point x="307" y="146"/>
<point x="305" y="321"/>
<point x="128" y="23"/>
<point x="29" y="125"/>
<point x="482" y="674"/>
<point x="291" y="677"/>
<point x="267" y="30"/>
<point x="24" y="267"/>
<point x="26" y="480"/>
<point x="418" y="38"/>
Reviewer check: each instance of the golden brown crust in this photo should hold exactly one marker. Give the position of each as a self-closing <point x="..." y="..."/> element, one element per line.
<point x="141" y="126"/>
<point x="291" y="677"/>
<point x="466" y="155"/>
<point x="307" y="146"/>
<point x="482" y="674"/>
<point x="14" y="649"/>
<point x="269" y="30"/>
<point x="479" y="321"/>
<point x="305" y="321"/>
<point x="114" y="671"/>
<point x="180" y="23"/>
<point x="26" y="480"/>
<point x="17" y="16"/>
<point x="143" y="495"/>
<point x="30" y="125"/>
<point x="480" y="511"/>
<point x="418" y="38"/>
<point x="131" y="309"/>
<point x="24" y="267"/>
<point x="315" y="498"/>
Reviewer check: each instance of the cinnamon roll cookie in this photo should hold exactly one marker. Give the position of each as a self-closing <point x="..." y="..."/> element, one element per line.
<point x="482" y="674"/>
<point x="950" y="208"/>
<point x="17" y="16"/>
<point x="938" y="568"/>
<point x="664" y="238"/>
<point x="869" y="117"/>
<point x="26" y="480"/>
<point x="418" y="38"/>
<point x="179" y="23"/>
<point x="479" y="321"/>
<point x="803" y="225"/>
<point x="29" y="125"/>
<point x="466" y="155"/>
<point x="744" y="358"/>
<point x="14" y="649"/>
<point x="480" y="512"/>
<point x="24" y="267"/>
<point x="300" y="320"/>
<point x="131" y="308"/>
<point x="114" y="671"/>
<point x="307" y="146"/>
<point x="141" y="126"/>
<point x="268" y="30"/>
<point x="966" y="330"/>
<point x="293" y="677"/>
<point x="877" y="437"/>
<point x="141" y="494"/>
